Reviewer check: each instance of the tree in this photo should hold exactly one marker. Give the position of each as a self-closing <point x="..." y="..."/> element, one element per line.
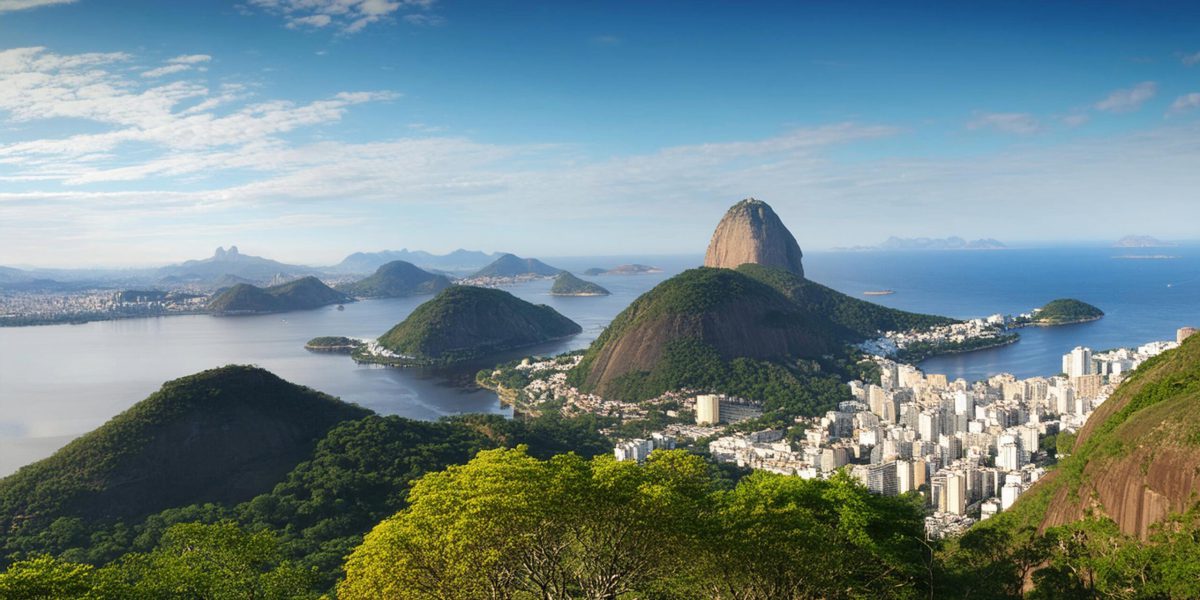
<point x="218" y="561"/>
<point x="46" y="577"/>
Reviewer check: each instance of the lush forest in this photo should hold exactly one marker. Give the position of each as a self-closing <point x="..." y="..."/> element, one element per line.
<point x="465" y="322"/>
<point x="1064" y="311"/>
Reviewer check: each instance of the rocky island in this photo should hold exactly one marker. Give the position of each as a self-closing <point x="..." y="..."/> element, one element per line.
<point x="567" y="284"/>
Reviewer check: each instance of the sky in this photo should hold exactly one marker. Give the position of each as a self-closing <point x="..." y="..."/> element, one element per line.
<point x="140" y="133"/>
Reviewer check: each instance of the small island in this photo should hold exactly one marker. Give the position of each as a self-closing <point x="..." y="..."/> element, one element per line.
<point x="464" y="323"/>
<point x="633" y="269"/>
<point x="567" y="284"/>
<point x="334" y="344"/>
<point x="1064" y="311"/>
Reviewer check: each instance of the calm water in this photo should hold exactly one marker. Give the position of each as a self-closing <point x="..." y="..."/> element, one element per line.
<point x="58" y="382"/>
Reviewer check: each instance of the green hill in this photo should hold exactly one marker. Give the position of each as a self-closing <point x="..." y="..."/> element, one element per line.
<point x="1135" y="459"/>
<point x="222" y="435"/>
<point x="1065" y="311"/>
<point x="510" y="265"/>
<point x="302" y="294"/>
<point x="737" y="331"/>
<point x="567" y="284"/>
<point x="466" y="322"/>
<point x="397" y="279"/>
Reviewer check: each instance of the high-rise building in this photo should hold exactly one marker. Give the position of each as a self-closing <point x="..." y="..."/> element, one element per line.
<point x="1078" y="362"/>
<point x="956" y="493"/>
<point x="708" y="409"/>
<point x="881" y="479"/>
<point x="1087" y="387"/>
<point x="904" y="477"/>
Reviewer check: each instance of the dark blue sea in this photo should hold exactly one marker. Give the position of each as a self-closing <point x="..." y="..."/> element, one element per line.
<point x="57" y="382"/>
<point x="1144" y="299"/>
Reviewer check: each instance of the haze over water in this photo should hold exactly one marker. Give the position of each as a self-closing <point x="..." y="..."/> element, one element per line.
<point x="58" y="382"/>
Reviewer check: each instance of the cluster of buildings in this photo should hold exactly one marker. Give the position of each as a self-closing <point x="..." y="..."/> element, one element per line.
<point x="20" y="308"/>
<point x="979" y="331"/>
<point x="971" y="449"/>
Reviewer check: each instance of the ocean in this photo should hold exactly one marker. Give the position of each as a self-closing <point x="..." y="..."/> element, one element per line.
<point x="58" y="382"/>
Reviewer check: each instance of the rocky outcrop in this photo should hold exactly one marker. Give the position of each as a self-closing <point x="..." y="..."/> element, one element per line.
<point x="752" y="233"/>
<point x="1137" y="460"/>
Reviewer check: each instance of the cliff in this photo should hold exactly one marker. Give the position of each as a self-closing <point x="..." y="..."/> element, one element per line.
<point x="1136" y="460"/>
<point x="750" y="232"/>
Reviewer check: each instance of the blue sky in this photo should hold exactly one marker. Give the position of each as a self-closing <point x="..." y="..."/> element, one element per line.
<point x="150" y="132"/>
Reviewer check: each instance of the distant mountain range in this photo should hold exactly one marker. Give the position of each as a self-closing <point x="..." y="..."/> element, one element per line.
<point x="1142" y="241"/>
<point x="230" y="262"/>
<point x="459" y="261"/>
<point x="923" y="243"/>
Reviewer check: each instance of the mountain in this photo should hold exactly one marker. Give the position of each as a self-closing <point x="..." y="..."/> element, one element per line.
<point x="465" y="322"/>
<point x="950" y="243"/>
<point x="1135" y="459"/>
<point x="567" y="284"/>
<point x="750" y="232"/>
<point x="232" y="263"/>
<point x="633" y="269"/>
<point x="302" y="294"/>
<point x="732" y="329"/>
<point x="461" y="261"/>
<point x="509" y="265"/>
<point x="397" y="279"/>
<point x="223" y="435"/>
<point x="1142" y="241"/>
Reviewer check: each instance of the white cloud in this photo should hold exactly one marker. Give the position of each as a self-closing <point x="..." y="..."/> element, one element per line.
<point x="1130" y="99"/>
<point x="1185" y="103"/>
<point x="190" y="59"/>
<point x="348" y="16"/>
<point x="1016" y="123"/>
<point x="1191" y="59"/>
<point x="1075" y="119"/>
<point x="14" y="5"/>
<point x="176" y="124"/>
<point x="165" y="70"/>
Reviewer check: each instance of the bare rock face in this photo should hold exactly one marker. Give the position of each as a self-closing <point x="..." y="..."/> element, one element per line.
<point x="750" y="232"/>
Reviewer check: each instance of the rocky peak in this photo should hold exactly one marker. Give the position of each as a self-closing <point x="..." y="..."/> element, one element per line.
<point x="750" y="232"/>
<point x="223" y="254"/>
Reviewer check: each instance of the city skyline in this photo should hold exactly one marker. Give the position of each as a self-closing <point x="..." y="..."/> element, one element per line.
<point x="136" y="133"/>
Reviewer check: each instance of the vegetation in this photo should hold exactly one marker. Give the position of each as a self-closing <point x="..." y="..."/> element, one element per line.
<point x="857" y="319"/>
<point x="567" y="284"/>
<point x="302" y="294"/>
<point x="509" y="265"/>
<point x="752" y="332"/>
<point x="919" y="351"/>
<point x="222" y="435"/>
<point x="333" y="344"/>
<point x="1065" y="311"/>
<point x="466" y="322"/>
<point x="397" y="279"/>
<point x="507" y="525"/>
<point x="358" y="474"/>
